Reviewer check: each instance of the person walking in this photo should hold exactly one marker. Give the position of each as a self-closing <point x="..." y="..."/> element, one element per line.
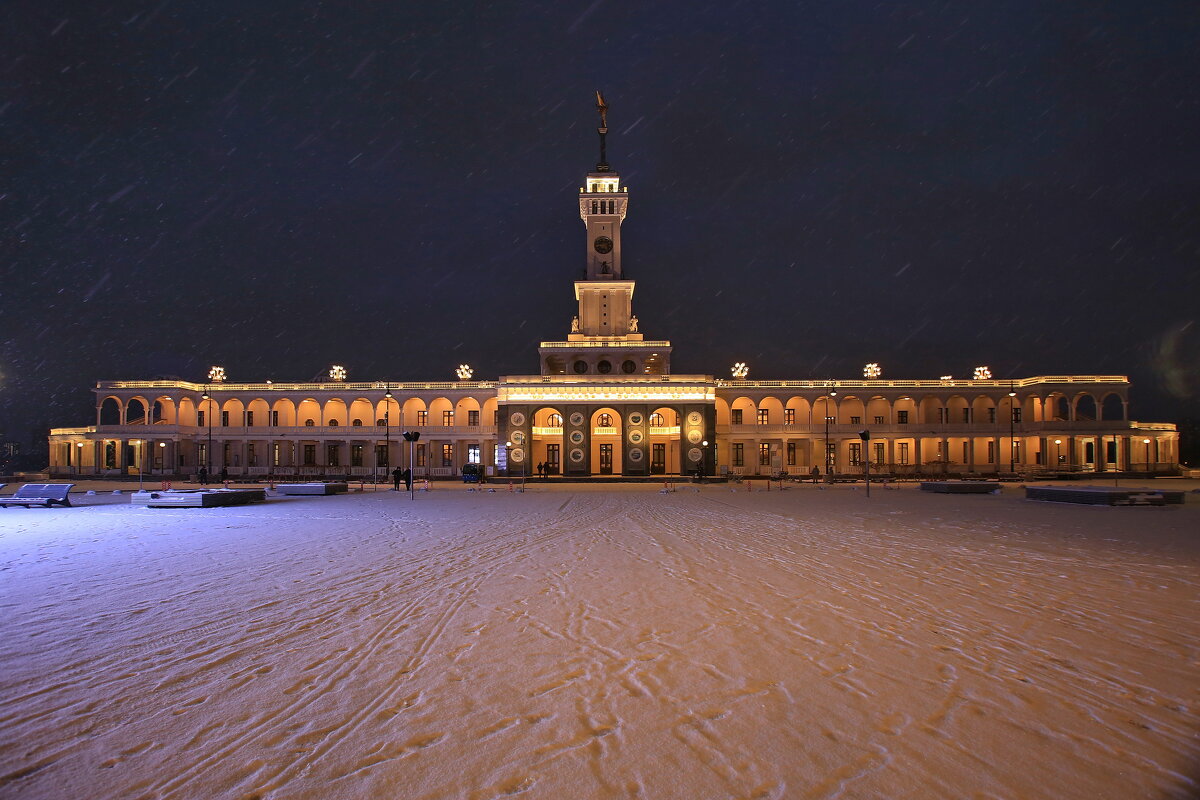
<point x="816" y="474"/>
<point x="408" y="480"/>
<point x="224" y="475"/>
<point x="203" y="476"/>
<point x="397" y="476"/>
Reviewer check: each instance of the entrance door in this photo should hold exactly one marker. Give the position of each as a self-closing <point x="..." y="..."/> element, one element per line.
<point x="606" y="459"/>
<point x="552" y="451"/>
<point x="658" y="459"/>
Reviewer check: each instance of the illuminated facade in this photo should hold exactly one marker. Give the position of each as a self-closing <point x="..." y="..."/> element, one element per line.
<point x="606" y="403"/>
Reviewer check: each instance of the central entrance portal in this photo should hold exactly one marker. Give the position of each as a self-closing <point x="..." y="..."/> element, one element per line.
<point x="606" y="453"/>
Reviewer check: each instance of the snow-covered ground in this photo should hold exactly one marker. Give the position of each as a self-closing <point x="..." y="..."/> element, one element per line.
<point x="579" y="642"/>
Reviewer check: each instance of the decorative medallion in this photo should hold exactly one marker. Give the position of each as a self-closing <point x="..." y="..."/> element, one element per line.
<point x="636" y="454"/>
<point x="517" y="454"/>
<point x="694" y="436"/>
<point x="635" y="437"/>
<point x="517" y="419"/>
<point x="635" y="418"/>
<point x="577" y="419"/>
<point x="577" y="456"/>
<point x="694" y="418"/>
<point x="695" y="454"/>
<point x="518" y="437"/>
<point x="576" y="437"/>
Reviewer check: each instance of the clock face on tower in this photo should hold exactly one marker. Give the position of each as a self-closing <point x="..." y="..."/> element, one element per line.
<point x="603" y="245"/>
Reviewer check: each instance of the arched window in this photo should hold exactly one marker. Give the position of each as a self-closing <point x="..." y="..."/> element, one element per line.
<point x="308" y="423"/>
<point x="555" y="421"/>
<point x="379" y="422"/>
<point x="357" y="423"/>
<point x="333" y="423"/>
<point x="657" y="420"/>
<point x="606" y="421"/>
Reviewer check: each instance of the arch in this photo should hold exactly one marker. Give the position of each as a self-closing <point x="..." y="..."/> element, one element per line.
<point x="361" y="412"/>
<point x="387" y="412"/>
<point x="111" y="413"/>
<point x="981" y="407"/>
<point x="849" y="408"/>
<point x="1085" y="407"/>
<point x="774" y="409"/>
<point x="824" y="408"/>
<point x="308" y="413"/>
<point x="335" y="412"/>
<point x="1032" y="408"/>
<point x="437" y="411"/>
<point x="666" y="441"/>
<point x="548" y="417"/>
<point x="555" y="365"/>
<point x="411" y="411"/>
<point x="1112" y="407"/>
<point x="261" y="411"/>
<point x="286" y="410"/>
<point x="955" y="407"/>
<point x="163" y="411"/>
<point x="878" y="406"/>
<point x="209" y="407"/>
<point x="1059" y="408"/>
<point x="487" y="412"/>
<point x="928" y="407"/>
<point x="722" y="408"/>
<point x="801" y="410"/>
<point x="906" y="405"/>
<point x="463" y="409"/>
<point x="614" y="439"/>
<point x="137" y="411"/>
<point x="186" y="412"/>
<point x="234" y="408"/>
<point x="747" y="408"/>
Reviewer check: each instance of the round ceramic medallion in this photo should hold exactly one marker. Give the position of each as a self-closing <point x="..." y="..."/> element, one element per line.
<point x="577" y="456"/>
<point x="517" y="419"/>
<point x="517" y="454"/>
<point x="635" y="418"/>
<point x="694" y="418"/>
<point x="636" y="454"/>
<point x="576" y="437"/>
<point x="694" y="436"/>
<point x="694" y="454"/>
<point x="635" y="437"/>
<point x="577" y="419"/>
<point x="518" y="437"/>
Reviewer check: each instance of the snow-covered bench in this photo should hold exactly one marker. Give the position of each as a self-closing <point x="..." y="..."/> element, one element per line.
<point x="1102" y="495"/>
<point x="961" y="487"/>
<point x="315" y="487"/>
<point x="204" y="498"/>
<point x="39" y="494"/>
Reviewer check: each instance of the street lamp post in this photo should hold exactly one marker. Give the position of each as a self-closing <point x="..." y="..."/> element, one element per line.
<point x="162" y="459"/>
<point x="79" y="459"/>
<point x="1057" y="442"/>
<point x="865" y="435"/>
<point x="411" y="437"/>
<point x="832" y="393"/>
<point x="1012" y="418"/>
<point x="704" y="444"/>
<point x="208" y="420"/>
<point x="1147" y="443"/>
<point x="141" y="460"/>
<point x="387" y="429"/>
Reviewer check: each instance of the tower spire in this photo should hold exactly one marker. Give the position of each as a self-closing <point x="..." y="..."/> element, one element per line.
<point x="602" y="107"/>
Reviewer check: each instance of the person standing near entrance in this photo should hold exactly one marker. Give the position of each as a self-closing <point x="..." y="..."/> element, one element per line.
<point x="397" y="476"/>
<point x="407" y="480"/>
<point x="203" y="476"/>
<point x="816" y="474"/>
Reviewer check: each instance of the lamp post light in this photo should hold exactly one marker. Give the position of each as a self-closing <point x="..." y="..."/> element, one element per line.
<point x="1147" y="443"/>
<point x="207" y="447"/>
<point x="832" y="393"/>
<point x="162" y="459"/>
<point x="411" y="437"/>
<point x="704" y="444"/>
<point x="1012" y="418"/>
<point x="387" y="429"/>
<point x="1057" y="442"/>
<point x="79" y="460"/>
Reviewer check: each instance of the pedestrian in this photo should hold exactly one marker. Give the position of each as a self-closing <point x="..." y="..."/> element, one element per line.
<point x="816" y="474"/>
<point x="397" y="476"/>
<point x="224" y="475"/>
<point x="408" y="480"/>
<point x="540" y="468"/>
<point x="203" y="475"/>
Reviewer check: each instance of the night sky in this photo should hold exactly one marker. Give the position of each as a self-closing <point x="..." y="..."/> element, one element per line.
<point x="278" y="186"/>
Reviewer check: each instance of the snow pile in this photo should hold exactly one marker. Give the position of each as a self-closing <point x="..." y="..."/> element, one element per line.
<point x="580" y="643"/>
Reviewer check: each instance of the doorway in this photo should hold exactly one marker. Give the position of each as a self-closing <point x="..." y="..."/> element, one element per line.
<point x="606" y="459"/>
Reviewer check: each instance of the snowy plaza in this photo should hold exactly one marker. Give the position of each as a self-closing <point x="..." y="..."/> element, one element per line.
<point x="597" y="641"/>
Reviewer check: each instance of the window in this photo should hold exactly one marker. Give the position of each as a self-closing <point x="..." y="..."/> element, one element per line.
<point x="554" y="421"/>
<point x="1016" y="414"/>
<point x="357" y="423"/>
<point x="356" y="454"/>
<point x="310" y="455"/>
<point x="606" y="421"/>
<point x="735" y="416"/>
<point x="333" y="423"/>
<point x="224" y="419"/>
<point x="308" y="423"/>
<point x="473" y="454"/>
<point x="251" y="458"/>
<point x="856" y="420"/>
<point x="966" y="415"/>
<point x="420" y="455"/>
<point x="764" y="454"/>
<point x="422" y="418"/>
<point x="763" y="416"/>
<point x="879" y="453"/>
<point x="225" y="453"/>
<point x="789" y="417"/>
<point x="739" y="458"/>
<point x="333" y="456"/>
<point x="991" y="451"/>
<point x="200" y="418"/>
<point x="992" y="414"/>
<point x="249" y="418"/>
<point x="901" y="417"/>
<point x="904" y="453"/>
<point x="965" y="451"/>
<point x="473" y="419"/>
<point x="275" y="453"/>
<point x="381" y="455"/>
<point x="855" y="453"/>
<point x="942" y="415"/>
<point x="791" y="454"/>
<point x="201" y="455"/>
<point x="447" y="455"/>
<point x="275" y="418"/>
<point x="657" y="420"/>
<point x="878" y="420"/>
<point x="447" y="419"/>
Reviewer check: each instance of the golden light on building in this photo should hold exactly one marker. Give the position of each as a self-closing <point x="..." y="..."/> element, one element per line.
<point x="983" y="374"/>
<point x="739" y="370"/>
<point x="464" y="372"/>
<point x="216" y="374"/>
<point x="872" y="371"/>
<point x="337" y="373"/>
